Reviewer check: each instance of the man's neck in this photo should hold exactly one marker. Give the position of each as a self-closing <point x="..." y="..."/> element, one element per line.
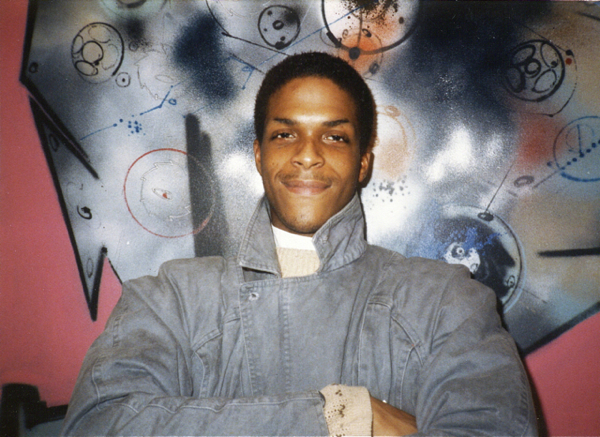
<point x="287" y="240"/>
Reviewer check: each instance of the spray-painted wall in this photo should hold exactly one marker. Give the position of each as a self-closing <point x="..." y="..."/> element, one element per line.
<point x="488" y="150"/>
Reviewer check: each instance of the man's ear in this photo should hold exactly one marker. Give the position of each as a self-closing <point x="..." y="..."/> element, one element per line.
<point x="256" y="146"/>
<point x="365" y="165"/>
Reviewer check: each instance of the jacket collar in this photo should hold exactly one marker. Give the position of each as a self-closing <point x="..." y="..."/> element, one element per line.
<point x="340" y="240"/>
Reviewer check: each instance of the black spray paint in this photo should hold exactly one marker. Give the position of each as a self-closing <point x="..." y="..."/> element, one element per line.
<point x="198" y="52"/>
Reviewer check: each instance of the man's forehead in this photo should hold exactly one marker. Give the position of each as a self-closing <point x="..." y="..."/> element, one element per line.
<point x="312" y="96"/>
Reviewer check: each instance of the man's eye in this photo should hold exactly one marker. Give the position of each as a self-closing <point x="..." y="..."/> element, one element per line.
<point x="337" y="138"/>
<point x="282" y="135"/>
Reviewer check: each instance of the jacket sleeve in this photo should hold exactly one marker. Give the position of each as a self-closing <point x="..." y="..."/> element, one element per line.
<point x="473" y="381"/>
<point x="139" y="378"/>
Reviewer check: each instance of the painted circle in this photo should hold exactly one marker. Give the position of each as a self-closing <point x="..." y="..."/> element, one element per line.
<point x="123" y="80"/>
<point x="577" y="150"/>
<point x="97" y="52"/>
<point x="393" y="22"/>
<point x="279" y="26"/>
<point x="364" y="54"/>
<point x="157" y="193"/>
<point x="535" y="70"/>
<point x="393" y="146"/>
<point x="469" y="235"/>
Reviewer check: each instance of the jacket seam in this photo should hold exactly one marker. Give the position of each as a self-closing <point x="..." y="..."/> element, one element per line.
<point x="96" y="369"/>
<point x="438" y="306"/>
<point x="414" y="343"/>
<point x="231" y="403"/>
<point x="245" y="335"/>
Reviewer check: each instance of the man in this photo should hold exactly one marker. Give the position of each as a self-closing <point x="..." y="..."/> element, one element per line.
<point x="309" y="330"/>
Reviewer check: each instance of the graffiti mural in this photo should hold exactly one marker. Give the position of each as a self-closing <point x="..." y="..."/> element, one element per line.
<point x="488" y="148"/>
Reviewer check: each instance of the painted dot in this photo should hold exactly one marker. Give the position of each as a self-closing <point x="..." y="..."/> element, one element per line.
<point x="550" y="164"/>
<point x="354" y="53"/>
<point x="568" y="61"/>
<point x="574" y="160"/>
<point x="593" y="145"/>
<point x="588" y="150"/>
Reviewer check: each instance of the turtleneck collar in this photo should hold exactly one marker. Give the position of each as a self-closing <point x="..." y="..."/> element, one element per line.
<point x="338" y="242"/>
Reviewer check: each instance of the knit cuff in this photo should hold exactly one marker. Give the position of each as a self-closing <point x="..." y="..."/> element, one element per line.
<point x="347" y="410"/>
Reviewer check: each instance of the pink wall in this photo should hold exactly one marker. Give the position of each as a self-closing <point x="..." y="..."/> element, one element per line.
<point x="45" y="327"/>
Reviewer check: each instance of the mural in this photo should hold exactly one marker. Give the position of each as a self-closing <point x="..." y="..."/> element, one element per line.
<point x="488" y="150"/>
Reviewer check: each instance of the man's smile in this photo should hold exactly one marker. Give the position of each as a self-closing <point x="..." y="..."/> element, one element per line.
<point x="306" y="187"/>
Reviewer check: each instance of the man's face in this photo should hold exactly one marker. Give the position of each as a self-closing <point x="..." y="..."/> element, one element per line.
<point x="309" y="157"/>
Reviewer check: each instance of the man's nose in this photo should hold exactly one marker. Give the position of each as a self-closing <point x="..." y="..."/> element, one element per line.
<point x="309" y="153"/>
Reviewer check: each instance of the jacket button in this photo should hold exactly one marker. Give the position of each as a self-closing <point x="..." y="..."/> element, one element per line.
<point x="254" y="296"/>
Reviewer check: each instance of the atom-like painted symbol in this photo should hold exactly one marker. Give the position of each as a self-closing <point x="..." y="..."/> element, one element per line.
<point x="97" y="52"/>
<point x="535" y="70"/>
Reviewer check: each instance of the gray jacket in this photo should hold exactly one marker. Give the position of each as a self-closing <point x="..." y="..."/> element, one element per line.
<point x="215" y="346"/>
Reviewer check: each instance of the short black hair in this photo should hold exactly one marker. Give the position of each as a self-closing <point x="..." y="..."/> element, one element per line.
<point x="318" y="64"/>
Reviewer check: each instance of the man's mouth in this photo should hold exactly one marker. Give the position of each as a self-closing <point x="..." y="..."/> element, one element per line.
<point x="306" y="187"/>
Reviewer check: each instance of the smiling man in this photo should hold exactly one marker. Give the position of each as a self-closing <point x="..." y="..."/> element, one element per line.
<point x="309" y="155"/>
<point x="309" y="330"/>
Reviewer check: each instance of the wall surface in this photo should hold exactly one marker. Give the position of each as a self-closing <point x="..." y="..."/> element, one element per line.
<point x="487" y="153"/>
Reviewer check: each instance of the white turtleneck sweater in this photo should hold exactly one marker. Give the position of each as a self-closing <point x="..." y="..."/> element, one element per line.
<point x="296" y="254"/>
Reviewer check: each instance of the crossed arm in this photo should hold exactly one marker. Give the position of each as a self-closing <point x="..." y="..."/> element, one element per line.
<point x="139" y="379"/>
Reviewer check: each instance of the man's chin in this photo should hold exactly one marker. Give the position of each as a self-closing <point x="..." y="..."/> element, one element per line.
<point x="303" y="216"/>
<point x="299" y="224"/>
<point x="308" y="229"/>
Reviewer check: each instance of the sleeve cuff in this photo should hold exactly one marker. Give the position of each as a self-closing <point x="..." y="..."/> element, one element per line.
<point x="347" y="410"/>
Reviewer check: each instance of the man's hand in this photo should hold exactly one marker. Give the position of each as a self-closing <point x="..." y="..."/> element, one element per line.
<point x="388" y="420"/>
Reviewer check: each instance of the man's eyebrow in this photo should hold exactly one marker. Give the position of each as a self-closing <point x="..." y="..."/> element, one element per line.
<point x="335" y="123"/>
<point x="285" y="121"/>
<point x="332" y="123"/>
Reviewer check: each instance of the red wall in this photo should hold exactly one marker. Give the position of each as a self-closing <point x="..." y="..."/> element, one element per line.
<point x="45" y="327"/>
